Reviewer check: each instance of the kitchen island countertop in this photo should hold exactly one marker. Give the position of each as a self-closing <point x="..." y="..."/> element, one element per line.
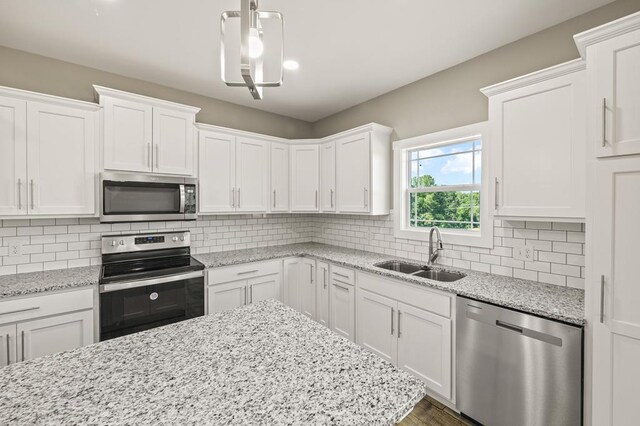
<point x="259" y="364"/>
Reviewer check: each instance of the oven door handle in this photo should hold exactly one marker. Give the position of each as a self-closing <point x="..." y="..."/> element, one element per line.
<point x="182" y="198"/>
<point x="105" y="288"/>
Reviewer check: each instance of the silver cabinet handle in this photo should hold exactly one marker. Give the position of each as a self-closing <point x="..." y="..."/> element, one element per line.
<point x="341" y="275"/>
<point x="19" y="194"/>
<point x="399" y="323"/>
<point x="392" y="322"/>
<point x="325" y="277"/>
<point x="33" y="308"/>
<point x="149" y="155"/>
<point x="366" y="201"/>
<point x="157" y="156"/>
<point x="497" y="186"/>
<point x="332" y="198"/>
<point x="274" y="198"/>
<point x="22" y="337"/>
<point x="238" y="203"/>
<point x="233" y="197"/>
<point x="33" y="204"/>
<point x="248" y="272"/>
<point x="604" y="122"/>
<point x="246" y="295"/>
<point x="316" y="198"/>
<point x="311" y="273"/>
<point x="8" y="349"/>
<point x="344" y="287"/>
<point x="251" y="293"/>
<point x="601" y="298"/>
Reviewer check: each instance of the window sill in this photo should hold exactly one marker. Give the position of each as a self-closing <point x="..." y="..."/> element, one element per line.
<point x="484" y="240"/>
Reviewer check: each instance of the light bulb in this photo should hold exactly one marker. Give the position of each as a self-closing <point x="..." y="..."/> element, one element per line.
<point x="255" y="44"/>
<point x="290" y="64"/>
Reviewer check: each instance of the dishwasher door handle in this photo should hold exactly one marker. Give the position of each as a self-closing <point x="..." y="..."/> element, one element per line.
<point x="509" y="326"/>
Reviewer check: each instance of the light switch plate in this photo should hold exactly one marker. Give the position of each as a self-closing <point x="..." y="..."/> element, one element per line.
<point x="523" y="253"/>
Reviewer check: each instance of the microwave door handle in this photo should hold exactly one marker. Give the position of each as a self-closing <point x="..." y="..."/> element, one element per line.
<point x="182" y="198"/>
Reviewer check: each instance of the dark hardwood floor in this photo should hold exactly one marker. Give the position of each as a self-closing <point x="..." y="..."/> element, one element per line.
<point x="430" y="412"/>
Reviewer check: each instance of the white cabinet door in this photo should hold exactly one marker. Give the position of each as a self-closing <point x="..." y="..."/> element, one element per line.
<point x="353" y="163"/>
<point x="252" y="175"/>
<point x="263" y="288"/>
<point x="613" y="275"/>
<point x="424" y="347"/>
<point x="614" y="66"/>
<point x="59" y="333"/>
<point x="539" y="149"/>
<point x="305" y="175"/>
<point x="292" y="272"/>
<point x="60" y="159"/>
<point x="7" y="344"/>
<point x="128" y="135"/>
<point x="223" y="297"/>
<point x="13" y="156"/>
<point x="322" y="293"/>
<point x="217" y="172"/>
<point x="279" y="177"/>
<point x="328" y="177"/>
<point x="377" y="325"/>
<point x="173" y="141"/>
<point x="342" y="309"/>
<point x="308" y="287"/>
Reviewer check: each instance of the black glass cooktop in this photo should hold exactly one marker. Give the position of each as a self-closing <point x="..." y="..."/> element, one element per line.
<point x="147" y="268"/>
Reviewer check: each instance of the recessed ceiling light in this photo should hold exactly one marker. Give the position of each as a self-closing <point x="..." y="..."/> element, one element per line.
<point x="290" y="64"/>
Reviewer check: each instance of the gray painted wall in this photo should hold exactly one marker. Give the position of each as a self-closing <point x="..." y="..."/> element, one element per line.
<point x="37" y="73"/>
<point x="451" y="98"/>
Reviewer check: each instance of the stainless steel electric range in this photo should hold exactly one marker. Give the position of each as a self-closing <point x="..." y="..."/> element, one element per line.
<point x="148" y="280"/>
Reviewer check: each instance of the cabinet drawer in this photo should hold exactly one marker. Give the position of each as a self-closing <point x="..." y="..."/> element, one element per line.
<point x="422" y="298"/>
<point x="347" y="276"/>
<point x="246" y="270"/>
<point x="14" y="310"/>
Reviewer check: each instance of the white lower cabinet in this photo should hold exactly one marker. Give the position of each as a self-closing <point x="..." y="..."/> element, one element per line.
<point x="300" y="285"/>
<point x="394" y="322"/>
<point x="322" y="293"/>
<point x="37" y="326"/>
<point x="238" y="285"/>
<point x="342" y="310"/>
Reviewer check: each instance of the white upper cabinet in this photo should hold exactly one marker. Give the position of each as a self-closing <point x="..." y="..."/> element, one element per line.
<point x="305" y="178"/>
<point x="60" y="159"/>
<point x="173" y="140"/>
<point x="612" y="52"/>
<point x="217" y="170"/>
<point x="252" y="175"/>
<point x="279" y="177"/>
<point x="328" y="177"/>
<point x="233" y="172"/>
<point x="47" y="155"/>
<point x="354" y="170"/>
<point x="13" y="156"/>
<point x="143" y="134"/>
<point x="363" y="175"/>
<point x="538" y="144"/>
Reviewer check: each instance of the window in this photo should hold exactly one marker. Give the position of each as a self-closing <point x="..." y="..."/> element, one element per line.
<point x="440" y="181"/>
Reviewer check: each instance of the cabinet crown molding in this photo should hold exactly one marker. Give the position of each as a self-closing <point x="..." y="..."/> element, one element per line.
<point x="535" y="77"/>
<point x="606" y="31"/>
<point x="120" y="94"/>
<point x="27" y="95"/>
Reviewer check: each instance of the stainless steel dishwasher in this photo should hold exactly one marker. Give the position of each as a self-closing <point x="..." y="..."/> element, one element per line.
<point x="517" y="369"/>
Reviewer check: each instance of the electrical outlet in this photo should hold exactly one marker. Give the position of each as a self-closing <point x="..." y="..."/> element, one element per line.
<point x="15" y="248"/>
<point x="523" y="253"/>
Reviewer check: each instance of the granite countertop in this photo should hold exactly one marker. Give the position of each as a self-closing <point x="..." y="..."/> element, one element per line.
<point x="546" y="300"/>
<point x="38" y="282"/>
<point x="259" y="364"/>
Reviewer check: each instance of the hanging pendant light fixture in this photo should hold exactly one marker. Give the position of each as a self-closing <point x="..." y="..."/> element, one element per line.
<point x="252" y="49"/>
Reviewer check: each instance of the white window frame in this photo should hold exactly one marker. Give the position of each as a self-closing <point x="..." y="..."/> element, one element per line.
<point x="401" y="189"/>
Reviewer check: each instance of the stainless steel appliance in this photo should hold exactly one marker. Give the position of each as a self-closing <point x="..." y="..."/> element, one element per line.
<point x="517" y="369"/>
<point x="148" y="280"/>
<point x="131" y="197"/>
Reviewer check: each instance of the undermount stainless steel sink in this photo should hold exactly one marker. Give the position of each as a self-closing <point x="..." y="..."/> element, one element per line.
<point x="423" y="271"/>
<point x="439" y="275"/>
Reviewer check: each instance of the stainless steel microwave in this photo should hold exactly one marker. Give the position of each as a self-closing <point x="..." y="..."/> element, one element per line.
<point x="133" y="197"/>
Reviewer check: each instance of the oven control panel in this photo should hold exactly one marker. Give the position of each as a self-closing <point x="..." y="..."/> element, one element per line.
<point x="139" y="242"/>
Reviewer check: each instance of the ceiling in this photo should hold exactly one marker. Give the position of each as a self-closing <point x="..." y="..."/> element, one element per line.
<point x="349" y="50"/>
